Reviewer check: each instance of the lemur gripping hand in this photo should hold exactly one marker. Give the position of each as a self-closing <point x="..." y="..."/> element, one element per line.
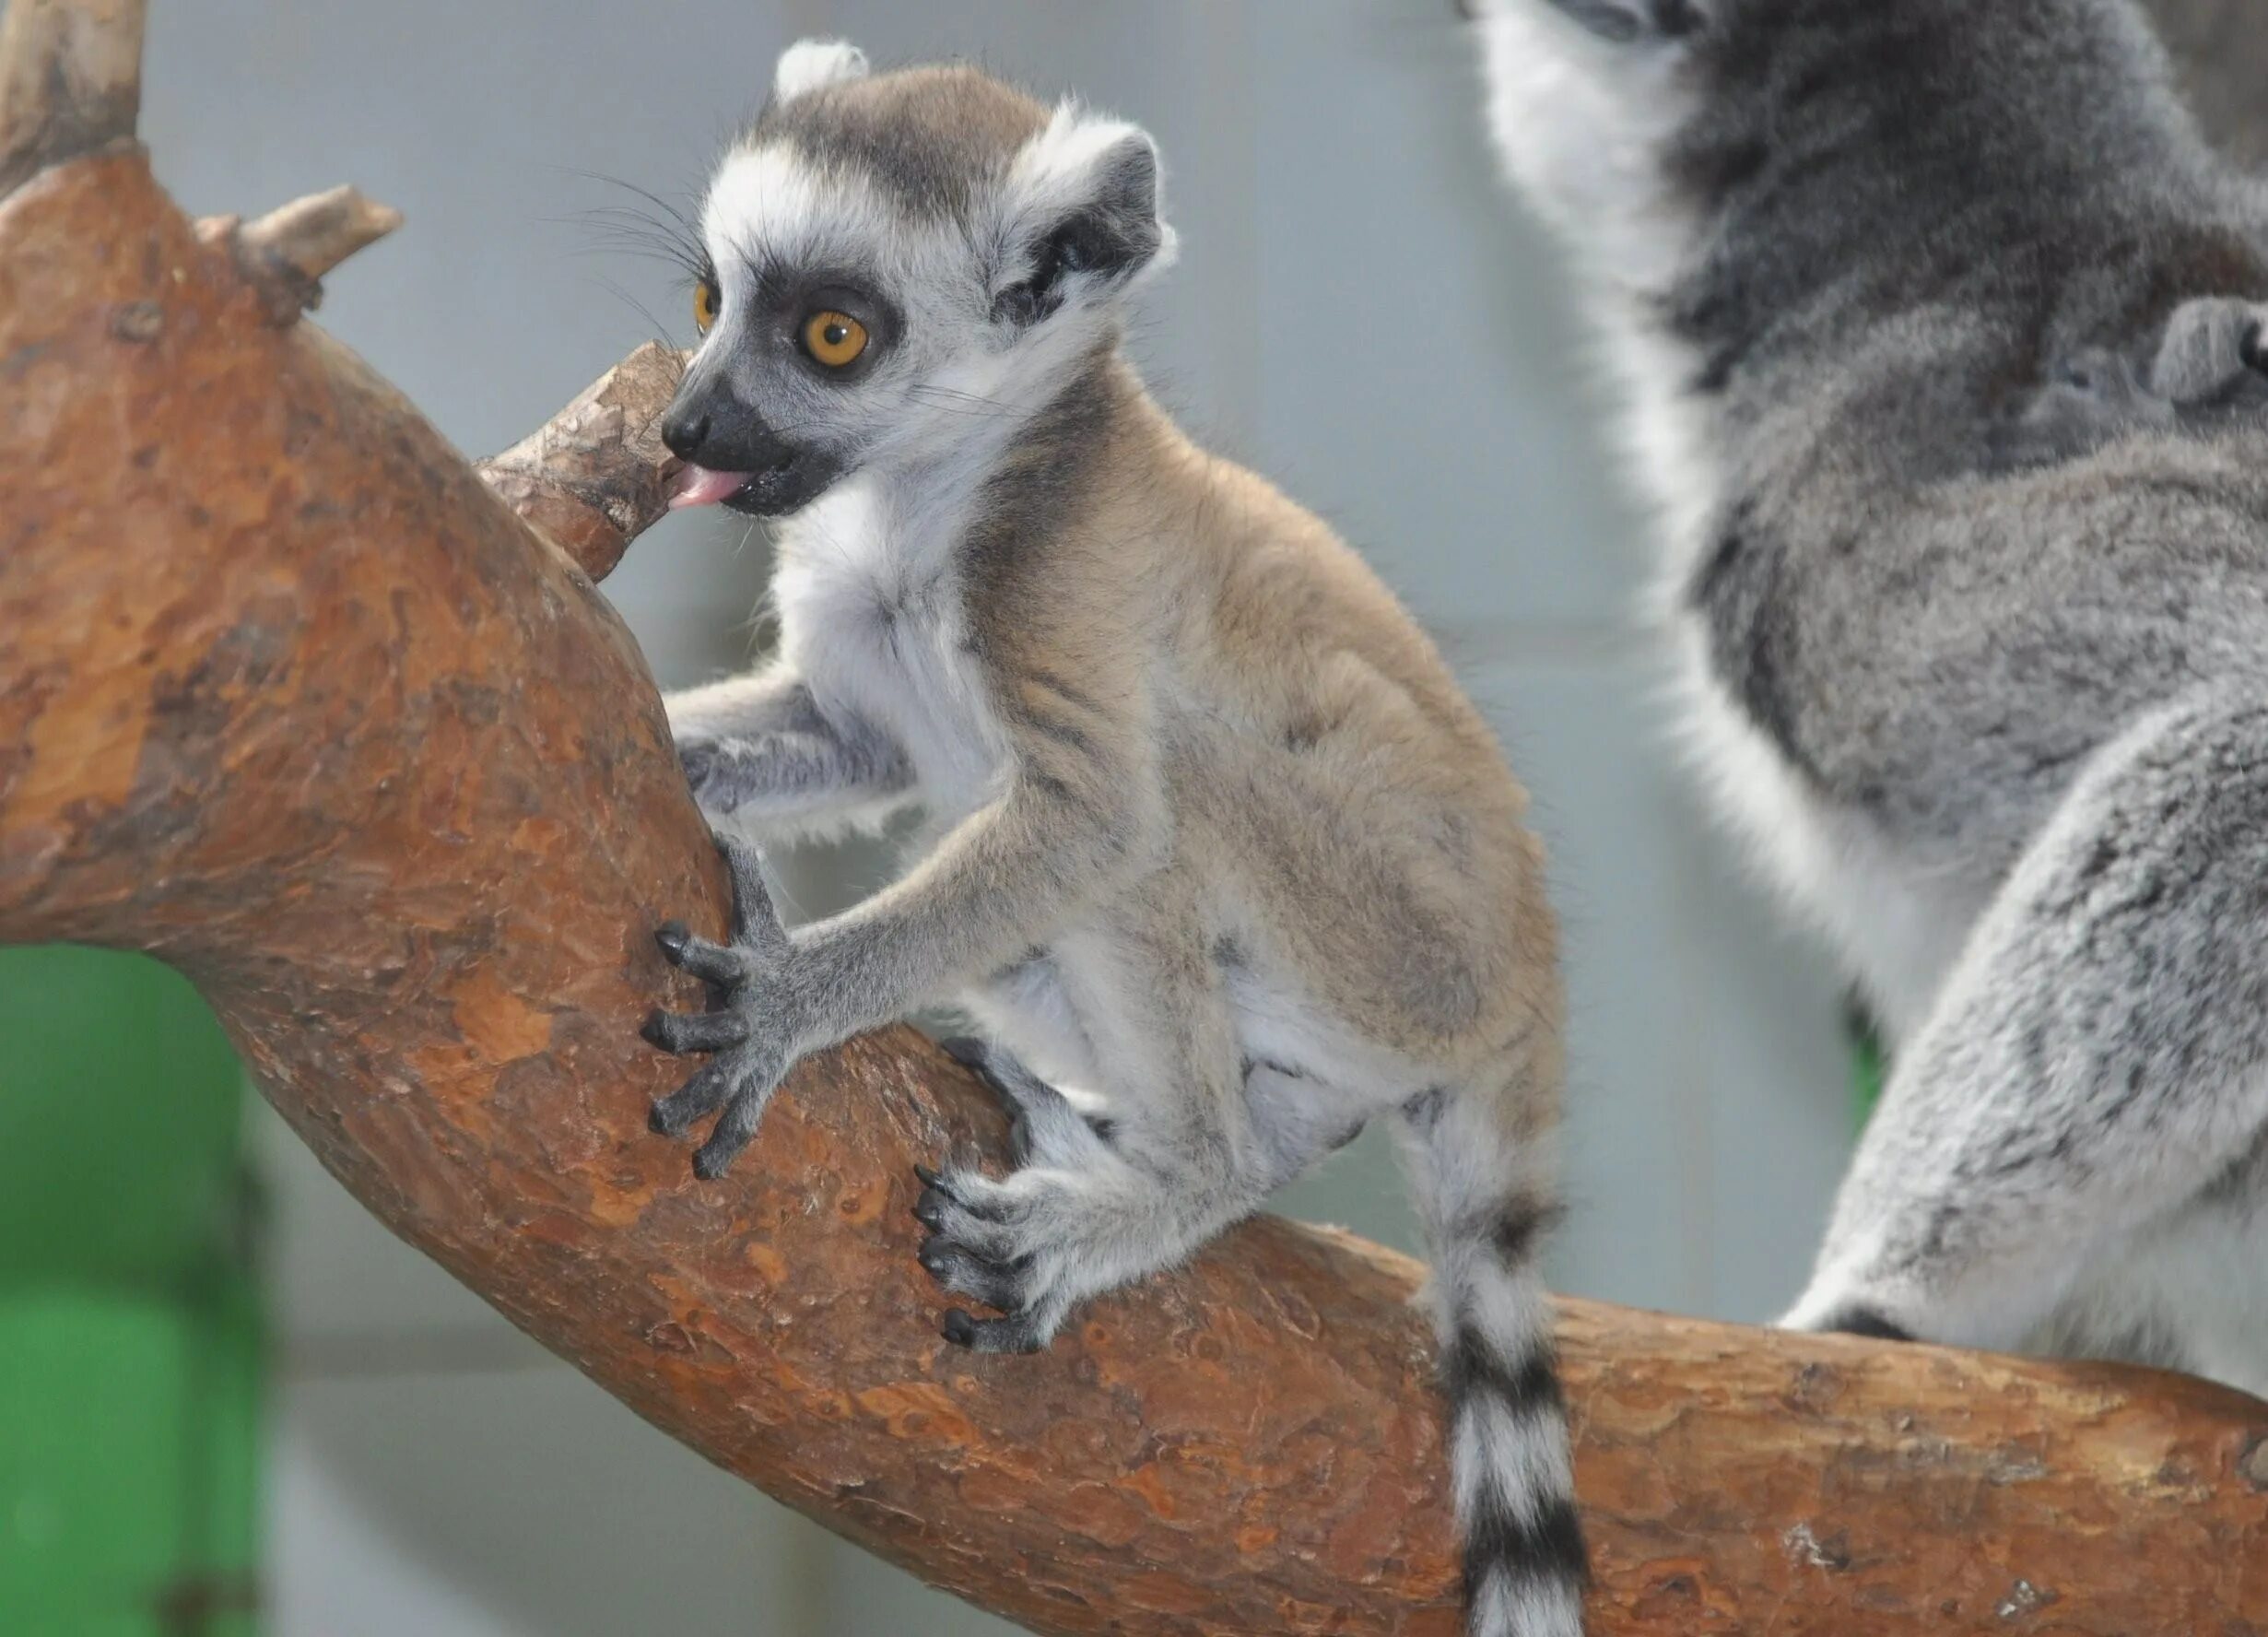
<point x="756" y="1030"/>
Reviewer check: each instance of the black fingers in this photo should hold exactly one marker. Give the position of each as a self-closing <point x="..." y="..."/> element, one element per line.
<point x="700" y="758"/>
<point x="755" y="922"/>
<point x="732" y="1132"/>
<point x="711" y="963"/>
<point x="740" y="1080"/>
<point x="1015" y="1334"/>
<point x="955" y="1267"/>
<point x="929" y="1210"/>
<point x="960" y="1267"/>
<point x="680" y="1032"/>
<point x="704" y="1093"/>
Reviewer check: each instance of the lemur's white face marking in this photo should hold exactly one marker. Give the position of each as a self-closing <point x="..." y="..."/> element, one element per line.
<point x="894" y="265"/>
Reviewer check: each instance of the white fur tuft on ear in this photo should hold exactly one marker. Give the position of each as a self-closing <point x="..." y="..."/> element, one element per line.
<point x="1083" y="159"/>
<point x="1061" y="160"/>
<point x="814" y="64"/>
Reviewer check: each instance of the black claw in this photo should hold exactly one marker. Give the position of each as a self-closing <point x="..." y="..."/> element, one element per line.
<point x="929" y="1210"/>
<point x="712" y="1160"/>
<point x="990" y="1336"/>
<point x="673" y="936"/>
<point x="929" y="1179"/>
<point x="964" y="1272"/>
<point x="658" y="1123"/>
<point x="654" y="1030"/>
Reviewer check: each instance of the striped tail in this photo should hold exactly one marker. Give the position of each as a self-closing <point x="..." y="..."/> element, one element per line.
<point x="1525" y="1567"/>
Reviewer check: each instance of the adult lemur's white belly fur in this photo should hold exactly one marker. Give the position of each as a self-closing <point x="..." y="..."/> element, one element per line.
<point x="1898" y="924"/>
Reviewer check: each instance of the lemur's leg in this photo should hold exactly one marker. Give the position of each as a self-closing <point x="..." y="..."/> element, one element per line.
<point x="1294" y="1125"/>
<point x="1177" y="1153"/>
<point x="1035" y="1107"/>
<point x="760" y="747"/>
<point x="2098" y="1057"/>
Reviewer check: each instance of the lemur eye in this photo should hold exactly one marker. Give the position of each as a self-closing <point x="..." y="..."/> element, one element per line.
<point x="835" y="339"/>
<point x="706" y="300"/>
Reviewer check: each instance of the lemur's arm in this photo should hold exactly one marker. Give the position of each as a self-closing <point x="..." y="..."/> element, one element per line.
<point x="1082" y="807"/>
<point x="999" y="883"/>
<point x="760" y="747"/>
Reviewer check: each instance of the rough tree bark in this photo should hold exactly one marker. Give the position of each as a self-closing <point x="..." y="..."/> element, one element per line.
<point x="293" y="699"/>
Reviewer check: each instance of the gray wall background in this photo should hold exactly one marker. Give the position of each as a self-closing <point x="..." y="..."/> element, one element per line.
<point x="1358" y="313"/>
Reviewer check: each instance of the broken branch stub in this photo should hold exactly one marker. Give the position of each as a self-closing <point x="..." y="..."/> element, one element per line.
<point x="595" y="476"/>
<point x="70" y="81"/>
<point x="284" y="255"/>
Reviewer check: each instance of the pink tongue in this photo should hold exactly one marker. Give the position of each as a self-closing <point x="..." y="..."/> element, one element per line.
<point x="698" y="486"/>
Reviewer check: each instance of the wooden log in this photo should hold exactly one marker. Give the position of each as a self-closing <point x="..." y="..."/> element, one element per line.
<point x="291" y="698"/>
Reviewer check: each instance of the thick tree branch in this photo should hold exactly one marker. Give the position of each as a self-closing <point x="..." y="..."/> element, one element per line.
<point x="291" y="698"/>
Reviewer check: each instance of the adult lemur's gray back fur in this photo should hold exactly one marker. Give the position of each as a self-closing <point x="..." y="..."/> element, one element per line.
<point x="1932" y="313"/>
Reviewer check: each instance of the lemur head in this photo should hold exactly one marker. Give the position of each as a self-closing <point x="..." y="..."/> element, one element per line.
<point x="892" y="261"/>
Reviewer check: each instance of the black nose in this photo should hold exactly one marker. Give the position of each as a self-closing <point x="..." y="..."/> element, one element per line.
<point x="685" y="429"/>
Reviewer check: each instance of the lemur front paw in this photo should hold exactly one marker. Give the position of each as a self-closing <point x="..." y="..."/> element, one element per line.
<point x="711" y="768"/>
<point x="752" y="1029"/>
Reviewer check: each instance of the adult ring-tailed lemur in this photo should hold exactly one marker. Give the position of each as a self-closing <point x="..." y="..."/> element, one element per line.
<point x="1938" y="329"/>
<point x="1210" y="841"/>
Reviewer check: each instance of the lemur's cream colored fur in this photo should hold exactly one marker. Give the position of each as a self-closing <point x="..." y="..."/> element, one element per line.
<point x="1210" y="841"/>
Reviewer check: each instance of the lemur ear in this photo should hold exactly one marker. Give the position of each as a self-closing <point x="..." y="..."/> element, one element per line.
<point x="814" y="64"/>
<point x="1081" y="212"/>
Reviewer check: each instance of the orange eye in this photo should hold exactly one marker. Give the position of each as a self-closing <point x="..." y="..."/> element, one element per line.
<point x="706" y="299"/>
<point x="835" y="339"/>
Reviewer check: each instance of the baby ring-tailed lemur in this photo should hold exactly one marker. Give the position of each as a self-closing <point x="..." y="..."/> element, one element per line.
<point x="2209" y="370"/>
<point x="1999" y="726"/>
<point x="1212" y="845"/>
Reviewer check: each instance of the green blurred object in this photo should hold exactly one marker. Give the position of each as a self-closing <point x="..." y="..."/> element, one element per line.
<point x="1868" y="1067"/>
<point x="132" y="1340"/>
